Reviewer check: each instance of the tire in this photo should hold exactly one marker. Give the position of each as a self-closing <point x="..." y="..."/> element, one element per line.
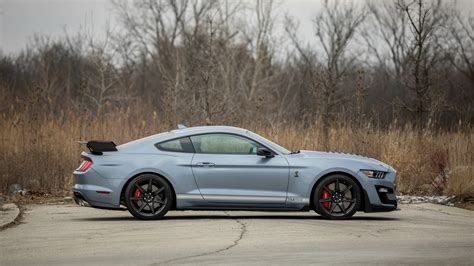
<point x="145" y="203"/>
<point x="337" y="197"/>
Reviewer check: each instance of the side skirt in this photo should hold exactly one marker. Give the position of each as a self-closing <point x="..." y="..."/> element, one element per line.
<point x="244" y="203"/>
<point x="240" y="208"/>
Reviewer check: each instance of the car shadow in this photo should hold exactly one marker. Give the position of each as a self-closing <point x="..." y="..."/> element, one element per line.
<point x="239" y="217"/>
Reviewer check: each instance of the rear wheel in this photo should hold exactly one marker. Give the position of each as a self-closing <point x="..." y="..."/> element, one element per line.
<point x="148" y="197"/>
<point x="337" y="197"/>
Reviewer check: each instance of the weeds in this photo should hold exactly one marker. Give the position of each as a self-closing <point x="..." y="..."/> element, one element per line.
<point x="40" y="152"/>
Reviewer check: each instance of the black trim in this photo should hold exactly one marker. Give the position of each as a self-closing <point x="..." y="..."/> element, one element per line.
<point x="99" y="146"/>
<point x="185" y="142"/>
<point x="376" y="208"/>
<point x="365" y="201"/>
<point x="265" y="152"/>
<point x="380" y="208"/>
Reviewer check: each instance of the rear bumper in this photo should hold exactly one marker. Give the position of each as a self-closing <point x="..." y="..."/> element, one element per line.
<point x="92" y="190"/>
<point x="82" y="201"/>
<point x="79" y="199"/>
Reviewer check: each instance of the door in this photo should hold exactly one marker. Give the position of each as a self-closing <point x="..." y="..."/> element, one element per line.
<point x="227" y="169"/>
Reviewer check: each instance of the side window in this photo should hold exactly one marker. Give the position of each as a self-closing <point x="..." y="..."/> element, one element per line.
<point x="224" y="144"/>
<point x="176" y="145"/>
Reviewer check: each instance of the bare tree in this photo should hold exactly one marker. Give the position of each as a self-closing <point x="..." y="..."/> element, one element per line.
<point x="461" y="44"/>
<point x="263" y="29"/>
<point x="425" y="22"/>
<point x="198" y="61"/>
<point x="387" y="36"/>
<point x="208" y="76"/>
<point x="100" y="83"/>
<point x="155" y="27"/>
<point x="334" y="27"/>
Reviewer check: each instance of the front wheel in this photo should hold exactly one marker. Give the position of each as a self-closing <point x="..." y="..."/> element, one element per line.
<point x="148" y="197"/>
<point x="337" y="197"/>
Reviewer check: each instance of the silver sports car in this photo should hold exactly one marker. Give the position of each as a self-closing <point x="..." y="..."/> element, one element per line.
<point x="228" y="168"/>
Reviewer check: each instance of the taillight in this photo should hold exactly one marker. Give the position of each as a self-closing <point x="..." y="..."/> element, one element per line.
<point x="85" y="165"/>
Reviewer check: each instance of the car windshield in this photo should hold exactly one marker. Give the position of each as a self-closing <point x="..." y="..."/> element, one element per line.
<point x="275" y="146"/>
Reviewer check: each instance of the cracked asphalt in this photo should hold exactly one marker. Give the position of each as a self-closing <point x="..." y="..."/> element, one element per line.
<point x="70" y="235"/>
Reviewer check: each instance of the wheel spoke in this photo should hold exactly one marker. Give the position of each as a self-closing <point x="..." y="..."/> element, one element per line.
<point x="158" y="191"/>
<point x="348" y="200"/>
<point x="328" y="190"/>
<point x="333" y="205"/>
<point x="159" y="201"/>
<point x="336" y="188"/>
<point x="147" y="196"/>
<point x="325" y="200"/>
<point x="346" y="190"/>
<point x="140" y="188"/>
<point x="341" y="206"/>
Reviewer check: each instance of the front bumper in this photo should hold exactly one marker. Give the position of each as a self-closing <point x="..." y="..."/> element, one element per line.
<point x="369" y="207"/>
<point x="380" y="194"/>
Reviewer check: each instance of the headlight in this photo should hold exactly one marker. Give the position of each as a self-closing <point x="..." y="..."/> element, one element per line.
<point x="374" y="174"/>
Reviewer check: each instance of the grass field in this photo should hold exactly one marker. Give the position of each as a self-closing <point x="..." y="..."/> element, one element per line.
<point x="41" y="151"/>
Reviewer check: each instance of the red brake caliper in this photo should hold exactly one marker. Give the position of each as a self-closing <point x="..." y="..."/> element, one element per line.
<point x="137" y="193"/>
<point x="325" y="196"/>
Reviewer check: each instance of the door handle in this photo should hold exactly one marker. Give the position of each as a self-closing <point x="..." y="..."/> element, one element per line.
<point x="205" y="164"/>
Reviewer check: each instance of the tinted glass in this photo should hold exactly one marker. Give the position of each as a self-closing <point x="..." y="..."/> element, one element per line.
<point x="224" y="144"/>
<point x="176" y="145"/>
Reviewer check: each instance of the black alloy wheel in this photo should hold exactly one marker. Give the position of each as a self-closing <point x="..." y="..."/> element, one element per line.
<point x="148" y="197"/>
<point x="337" y="197"/>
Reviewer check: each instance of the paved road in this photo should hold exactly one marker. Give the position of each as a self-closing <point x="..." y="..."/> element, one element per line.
<point x="66" y="234"/>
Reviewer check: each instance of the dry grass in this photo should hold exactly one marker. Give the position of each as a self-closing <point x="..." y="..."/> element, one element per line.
<point x="41" y="153"/>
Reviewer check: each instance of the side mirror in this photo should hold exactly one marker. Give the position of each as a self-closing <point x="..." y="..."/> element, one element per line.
<point x="265" y="152"/>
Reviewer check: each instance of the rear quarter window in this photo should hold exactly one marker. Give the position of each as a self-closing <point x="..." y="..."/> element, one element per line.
<point x="176" y="145"/>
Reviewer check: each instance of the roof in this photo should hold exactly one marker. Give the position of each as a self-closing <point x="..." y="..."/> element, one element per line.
<point x="176" y="133"/>
<point x="208" y="129"/>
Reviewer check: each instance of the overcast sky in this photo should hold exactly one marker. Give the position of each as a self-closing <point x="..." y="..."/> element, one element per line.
<point x="21" y="19"/>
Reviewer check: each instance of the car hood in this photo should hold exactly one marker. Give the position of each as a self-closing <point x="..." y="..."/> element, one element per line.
<point x="377" y="165"/>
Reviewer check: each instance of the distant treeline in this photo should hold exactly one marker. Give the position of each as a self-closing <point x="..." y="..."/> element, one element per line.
<point x="383" y="63"/>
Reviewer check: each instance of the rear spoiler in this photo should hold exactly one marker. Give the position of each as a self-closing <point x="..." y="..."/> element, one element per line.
<point x="99" y="146"/>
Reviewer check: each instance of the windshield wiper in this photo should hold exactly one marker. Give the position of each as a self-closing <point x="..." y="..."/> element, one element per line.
<point x="295" y="152"/>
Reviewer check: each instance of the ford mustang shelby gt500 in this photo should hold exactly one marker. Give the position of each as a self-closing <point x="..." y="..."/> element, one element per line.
<point x="228" y="168"/>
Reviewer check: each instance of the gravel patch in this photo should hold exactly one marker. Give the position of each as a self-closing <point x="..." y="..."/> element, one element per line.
<point x="443" y="200"/>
